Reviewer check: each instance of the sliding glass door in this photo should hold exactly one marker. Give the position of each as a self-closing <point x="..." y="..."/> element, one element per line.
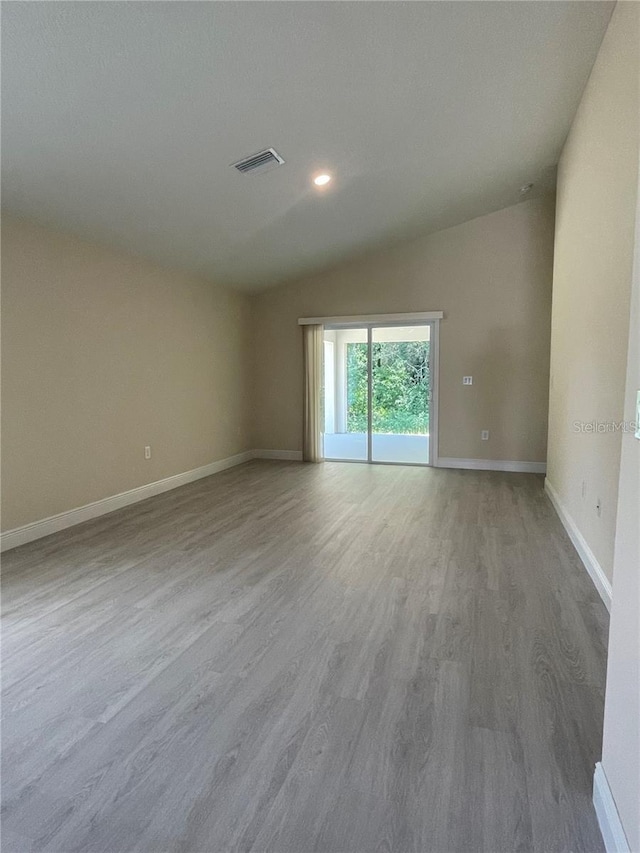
<point x="400" y="391"/>
<point x="346" y="394"/>
<point x="377" y="393"/>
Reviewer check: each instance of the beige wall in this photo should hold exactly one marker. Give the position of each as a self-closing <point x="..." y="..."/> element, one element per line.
<point x="102" y="355"/>
<point x="621" y="748"/>
<point x="596" y="197"/>
<point x="491" y="277"/>
<point x="595" y="355"/>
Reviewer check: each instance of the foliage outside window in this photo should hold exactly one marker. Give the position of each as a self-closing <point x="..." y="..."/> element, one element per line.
<point x="400" y="373"/>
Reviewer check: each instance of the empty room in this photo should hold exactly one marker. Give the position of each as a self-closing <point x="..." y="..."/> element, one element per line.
<point x="320" y="426"/>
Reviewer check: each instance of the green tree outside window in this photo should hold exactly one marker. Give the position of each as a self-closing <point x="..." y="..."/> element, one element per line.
<point x="400" y="387"/>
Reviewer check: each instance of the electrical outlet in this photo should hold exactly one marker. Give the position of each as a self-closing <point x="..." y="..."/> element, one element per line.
<point x="484" y="435"/>
<point x="147" y="452"/>
<point x="467" y="380"/>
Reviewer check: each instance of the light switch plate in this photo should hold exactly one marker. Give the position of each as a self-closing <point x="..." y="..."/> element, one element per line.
<point x="467" y="380"/>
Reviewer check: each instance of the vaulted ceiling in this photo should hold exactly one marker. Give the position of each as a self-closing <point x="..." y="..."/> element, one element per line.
<point x="120" y="121"/>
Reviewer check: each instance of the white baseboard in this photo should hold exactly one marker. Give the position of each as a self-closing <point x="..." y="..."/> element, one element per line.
<point x="491" y="465"/>
<point x="290" y="455"/>
<point x="615" y="840"/>
<point x="55" y="523"/>
<point x="596" y="572"/>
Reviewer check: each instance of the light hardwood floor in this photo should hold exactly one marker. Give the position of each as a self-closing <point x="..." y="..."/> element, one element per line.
<point x="294" y="658"/>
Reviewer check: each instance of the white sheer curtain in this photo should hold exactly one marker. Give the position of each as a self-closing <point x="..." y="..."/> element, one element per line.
<point x="312" y="416"/>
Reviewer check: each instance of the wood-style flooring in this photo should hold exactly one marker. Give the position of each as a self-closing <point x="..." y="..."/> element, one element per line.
<point x="296" y="658"/>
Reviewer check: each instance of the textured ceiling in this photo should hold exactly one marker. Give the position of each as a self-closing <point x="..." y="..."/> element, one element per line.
<point x="120" y="120"/>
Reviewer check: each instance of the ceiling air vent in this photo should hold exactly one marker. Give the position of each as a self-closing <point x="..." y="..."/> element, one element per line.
<point x="260" y="162"/>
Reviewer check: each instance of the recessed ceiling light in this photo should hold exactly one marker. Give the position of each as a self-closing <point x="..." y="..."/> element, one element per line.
<point x="321" y="180"/>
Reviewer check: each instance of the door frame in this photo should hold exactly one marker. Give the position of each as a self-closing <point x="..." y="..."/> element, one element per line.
<point x="369" y="322"/>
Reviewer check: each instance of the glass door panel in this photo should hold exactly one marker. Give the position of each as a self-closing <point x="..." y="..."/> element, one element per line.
<point x="346" y="394"/>
<point x="400" y="389"/>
